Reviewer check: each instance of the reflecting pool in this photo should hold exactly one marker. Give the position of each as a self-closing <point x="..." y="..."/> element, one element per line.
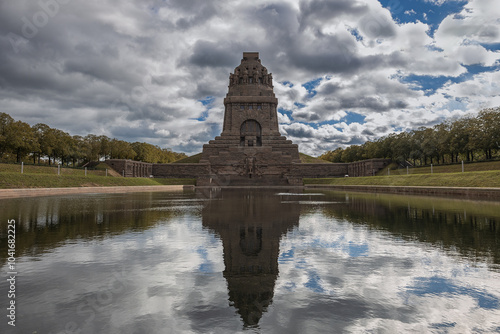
<point x="263" y="261"/>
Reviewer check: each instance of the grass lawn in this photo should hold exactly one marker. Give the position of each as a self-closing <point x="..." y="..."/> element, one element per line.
<point x="307" y="159"/>
<point x="194" y="159"/>
<point x="455" y="168"/>
<point x="470" y="179"/>
<point x="46" y="177"/>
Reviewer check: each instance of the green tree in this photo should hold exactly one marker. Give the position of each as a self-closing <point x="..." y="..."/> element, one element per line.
<point x="5" y="124"/>
<point x="120" y="149"/>
<point x="46" y="138"/>
<point x="489" y="131"/>
<point x="443" y="141"/>
<point x="21" y="139"/>
<point x="91" y="147"/>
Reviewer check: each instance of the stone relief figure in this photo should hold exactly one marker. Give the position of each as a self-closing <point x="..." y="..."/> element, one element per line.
<point x="245" y="76"/>
<point x="264" y="76"/>
<point x="231" y="79"/>
<point x="270" y="79"/>
<point x="250" y="161"/>
<point x="256" y="75"/>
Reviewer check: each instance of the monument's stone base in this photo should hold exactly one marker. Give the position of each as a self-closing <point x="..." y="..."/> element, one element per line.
<point x="260" y="166"/>
<point x="191" y="170"/>
<point x="234" y="163"/>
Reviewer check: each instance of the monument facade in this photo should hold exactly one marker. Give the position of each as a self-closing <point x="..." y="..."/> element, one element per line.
<point x="250" y="150"/>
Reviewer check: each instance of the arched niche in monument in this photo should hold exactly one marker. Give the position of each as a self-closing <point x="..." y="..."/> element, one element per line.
<point x="250" y="133"/>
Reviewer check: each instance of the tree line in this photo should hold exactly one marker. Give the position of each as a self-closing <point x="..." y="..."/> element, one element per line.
<point x="470" y="138"/>
<point x="18" y="140"/>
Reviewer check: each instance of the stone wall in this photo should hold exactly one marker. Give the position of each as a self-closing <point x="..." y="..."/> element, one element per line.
<point x="278" y="171"/>
<point x="359" y="168"/>
<point x="321" y="170"/>
<point x="193" y="170"/>
<point x="367" y="167"/>
<point x="130" y="168"/>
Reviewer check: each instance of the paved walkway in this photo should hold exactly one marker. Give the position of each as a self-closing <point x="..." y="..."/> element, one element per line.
<point x="31" y="192"/>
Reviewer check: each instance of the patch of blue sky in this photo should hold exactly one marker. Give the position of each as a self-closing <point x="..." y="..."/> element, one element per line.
<point x="405" y="11"/>
<point x="207" y="103"/>
<point x="318" y="243"/>
<point x="285" y="112"/>
<point x="287" y="83"/>
<point x="202" y="252"/>
<point x="353" y="117"/>
<point x="350" y="118"/>
<point x="491" y="46"/>
<point x="207" y="100"/>
<point x="356" y="34"/>
<point x="442" y="286"/>
<point x="429" y="84"/>
<point x="357" y="250"/>
<point x="443" y="325"/>
<point x="207" y="266"/>
<point x="311" y="86"/>
<point x="286" y="256"/>
<point x="301" y="263"/>
<point x="314" y="282"/>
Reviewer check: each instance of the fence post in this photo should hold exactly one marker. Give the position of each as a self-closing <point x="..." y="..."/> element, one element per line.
<point x="462" y="166"/>
<point x="106" y="172"/>
<point x="58" y="169"/>
<point x="85" y="171"/>
<point x="406" y="170"/>
<point x="431" y="168"/>
<point x="22" y="167"/>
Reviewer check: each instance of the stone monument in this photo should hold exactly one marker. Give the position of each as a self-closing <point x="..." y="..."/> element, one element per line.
<point x="250" y="150"/>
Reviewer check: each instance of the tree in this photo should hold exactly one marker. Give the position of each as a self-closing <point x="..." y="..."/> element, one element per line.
<point x="91" y="147"/>
<point x="402" y="147"/>
<point x="489" y="127"/>
<point x="120" y="149"/>
<point x="5" y="125"/>
<point x="46" y="139"/>
<point x="21" y="139"/>
<point x="443" y="140"/>
<point x="62" y="147"/>
<point x="460" y="138"/>
<point x="430" y="145"/>
<point x="76" y="149"/>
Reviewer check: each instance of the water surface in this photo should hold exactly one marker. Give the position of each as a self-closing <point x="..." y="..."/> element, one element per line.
<point x="253" y="261"/>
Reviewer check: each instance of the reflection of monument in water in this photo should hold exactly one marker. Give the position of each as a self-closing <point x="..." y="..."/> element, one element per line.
<point x="250" y="225"/>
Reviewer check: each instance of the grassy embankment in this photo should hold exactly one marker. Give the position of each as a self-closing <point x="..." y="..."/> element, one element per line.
<point x="481" y="174"/>
<point x="47" y="177"/>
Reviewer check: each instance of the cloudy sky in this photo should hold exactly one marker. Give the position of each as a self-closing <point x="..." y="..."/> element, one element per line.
<point x="345" y="71"/>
